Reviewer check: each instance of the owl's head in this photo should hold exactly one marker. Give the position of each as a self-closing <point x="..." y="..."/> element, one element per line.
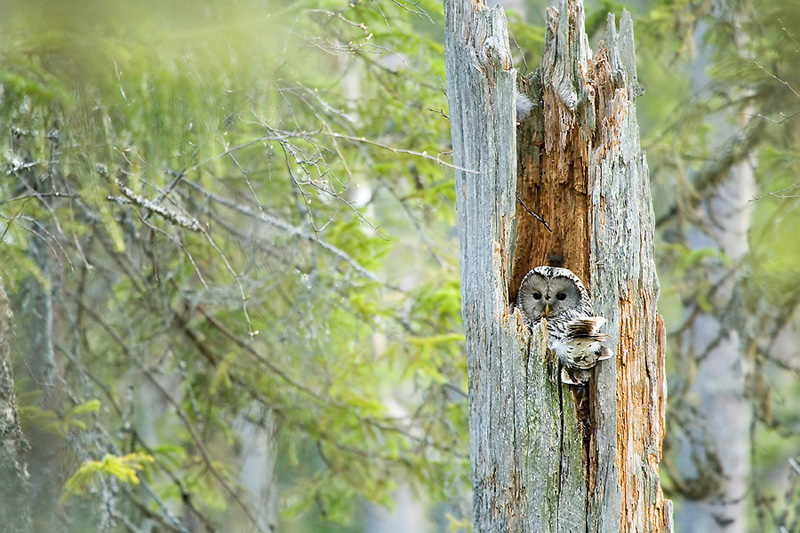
<point x="551" y="292"/>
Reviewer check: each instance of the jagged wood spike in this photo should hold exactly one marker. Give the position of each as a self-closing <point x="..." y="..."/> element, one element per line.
<point x="546" y="457"/>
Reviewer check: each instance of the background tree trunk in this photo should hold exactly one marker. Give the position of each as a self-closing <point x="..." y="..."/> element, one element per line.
<point x="258" y="460"/>
<point x="715" y="453"/>
<point x="538" y="464"/>
<point x="714" y="416"/>
<point x="14" y="503"/>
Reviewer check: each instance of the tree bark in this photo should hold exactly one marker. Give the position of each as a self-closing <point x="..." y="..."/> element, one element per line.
<point x="257" y="474"/>
<point x="14" y="502"/>
<point x="711" y="439"/>
<point x="546" y="456"/>
<point x="714" y="445"/>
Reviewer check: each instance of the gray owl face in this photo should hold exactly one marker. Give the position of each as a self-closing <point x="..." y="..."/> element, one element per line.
<point x="552" y="293"/>
<point x="558" y="295"/>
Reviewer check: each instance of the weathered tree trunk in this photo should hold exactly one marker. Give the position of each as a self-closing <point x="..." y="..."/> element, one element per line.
<point x="538" y="462"/>
<point x="714" y="461"/>
<point x="257" y="473"/>
<point x="14" y="503"/>
<point x="712" y="440"/>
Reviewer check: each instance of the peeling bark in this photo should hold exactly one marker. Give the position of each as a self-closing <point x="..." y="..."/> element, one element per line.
<point x="539" y="462"/>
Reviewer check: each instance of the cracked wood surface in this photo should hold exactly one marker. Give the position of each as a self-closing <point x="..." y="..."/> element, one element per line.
<point x="576" y="161"/>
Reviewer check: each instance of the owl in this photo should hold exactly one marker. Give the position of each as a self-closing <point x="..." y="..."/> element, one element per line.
<point x="558" y="295"/>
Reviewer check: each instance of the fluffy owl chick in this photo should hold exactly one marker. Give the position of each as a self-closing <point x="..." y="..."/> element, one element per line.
<point x="558" y="295"/>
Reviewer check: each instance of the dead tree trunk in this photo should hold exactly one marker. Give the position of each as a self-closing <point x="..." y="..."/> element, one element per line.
<point x="538" y="464"/>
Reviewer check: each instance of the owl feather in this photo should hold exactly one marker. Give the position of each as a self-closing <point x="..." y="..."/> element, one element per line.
<point x="558" y="296"/>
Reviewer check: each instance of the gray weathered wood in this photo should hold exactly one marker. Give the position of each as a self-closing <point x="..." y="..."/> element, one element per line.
<point x="539" y="462"/>
<point x="629" y="400"/>
<point x="515" y="422"/>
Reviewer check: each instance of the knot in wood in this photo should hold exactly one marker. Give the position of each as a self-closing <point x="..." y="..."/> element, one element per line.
<point x="496" y="52"/>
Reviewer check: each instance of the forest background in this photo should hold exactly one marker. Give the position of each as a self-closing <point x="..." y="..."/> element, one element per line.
<point x="227" y="238"/>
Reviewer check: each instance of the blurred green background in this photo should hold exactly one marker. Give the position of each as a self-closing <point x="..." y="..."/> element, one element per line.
<point x="227" y="230"/>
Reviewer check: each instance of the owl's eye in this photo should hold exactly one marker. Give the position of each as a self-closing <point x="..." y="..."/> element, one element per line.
<point x="561" y="295"/>
<point x="537" y="295"/>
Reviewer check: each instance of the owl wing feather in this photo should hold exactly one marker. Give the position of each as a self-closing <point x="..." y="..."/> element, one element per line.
<point x="582" y="347"/>
<point x="572" y="333"/>
<point x="574" y="376"/>
<point x="587" y="327"/>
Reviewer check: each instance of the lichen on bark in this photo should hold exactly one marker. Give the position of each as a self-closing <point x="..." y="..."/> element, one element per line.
<point x="14" y="505"/>
<point x="538" y="462"/>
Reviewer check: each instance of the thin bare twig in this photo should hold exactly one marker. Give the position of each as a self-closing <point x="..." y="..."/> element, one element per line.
<point x="537" y="217"/>
<point x="130" y="197"/>
<point x="292" y="230"/>
<point x="776" y="78"/>
<point x="778" y="194"/>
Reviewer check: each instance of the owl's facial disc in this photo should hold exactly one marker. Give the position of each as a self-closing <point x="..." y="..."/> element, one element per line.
<point x="560" y="296"/>
<point x="538" y="296"/>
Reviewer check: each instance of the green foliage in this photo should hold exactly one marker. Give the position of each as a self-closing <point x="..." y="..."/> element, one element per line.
<point x="125" y="469"/>
<point x="51" y="422"/>
<point x="714" y="73"/>
<point x="456" y="526"/>
<point x="185" y="189"/>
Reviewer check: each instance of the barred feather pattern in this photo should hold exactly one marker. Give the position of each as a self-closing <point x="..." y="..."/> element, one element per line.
<point x="558" y="296"/>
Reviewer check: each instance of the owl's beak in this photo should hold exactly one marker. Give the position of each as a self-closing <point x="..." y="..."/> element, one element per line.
<point x="546" y="309"/>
